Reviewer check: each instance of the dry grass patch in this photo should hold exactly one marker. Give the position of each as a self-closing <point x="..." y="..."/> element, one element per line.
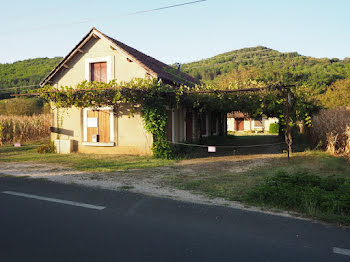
<point x="24" y="128"/>
<point x="331" y="128"/>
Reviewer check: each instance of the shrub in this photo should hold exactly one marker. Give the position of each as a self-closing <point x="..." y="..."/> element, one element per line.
<point x="304" y="192"/>
<point x="274" y="128"/>
<point x="46" y="148"/>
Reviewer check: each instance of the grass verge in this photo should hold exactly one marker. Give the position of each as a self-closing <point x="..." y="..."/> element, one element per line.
<point x="85" y="162"/>
<point x="236" y="184"/>
<point x="326" y="198"/>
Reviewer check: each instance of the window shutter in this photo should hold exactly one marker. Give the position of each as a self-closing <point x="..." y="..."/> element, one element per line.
<point x="98" y="72"/>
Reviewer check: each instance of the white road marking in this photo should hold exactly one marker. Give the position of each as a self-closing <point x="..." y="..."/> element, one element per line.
<point x="341" y="251"/>
<point x="66" y="202"/>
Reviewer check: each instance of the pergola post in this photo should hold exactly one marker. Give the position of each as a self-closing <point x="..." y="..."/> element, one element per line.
<point x="287" y="133"/>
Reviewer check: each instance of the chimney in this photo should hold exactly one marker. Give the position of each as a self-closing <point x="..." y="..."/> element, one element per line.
<point x="178" y="66"/>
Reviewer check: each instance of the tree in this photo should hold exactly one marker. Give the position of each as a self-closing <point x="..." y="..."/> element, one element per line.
<point x="21" y="106"/>
<point x="337" y="95"/>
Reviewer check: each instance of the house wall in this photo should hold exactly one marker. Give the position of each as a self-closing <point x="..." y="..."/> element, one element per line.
<point x="130" y="135"/>
<point x="230" y="124"/>
<point x="121" y="68"/>
<point x="248" y="125"/>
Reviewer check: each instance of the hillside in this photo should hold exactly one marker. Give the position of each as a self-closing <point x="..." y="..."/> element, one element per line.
<point x="319" y="75"/>
<point x="24" y="73"/>
<point x="264" y="64"/>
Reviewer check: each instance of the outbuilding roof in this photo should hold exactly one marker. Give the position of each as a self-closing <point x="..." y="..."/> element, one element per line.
<point x="153" y="66"/>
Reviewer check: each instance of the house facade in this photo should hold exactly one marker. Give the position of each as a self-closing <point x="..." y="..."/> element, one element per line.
<point x="238" y="121"/>
<point x="98" y="57"/>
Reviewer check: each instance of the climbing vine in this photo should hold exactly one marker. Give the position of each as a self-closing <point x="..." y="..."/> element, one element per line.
<point x="154" y="98"/>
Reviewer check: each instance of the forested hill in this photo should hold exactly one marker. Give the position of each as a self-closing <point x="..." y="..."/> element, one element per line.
<point x="232" y="69"/>
<point x="24" y="73"/>
<point x="261" y="63"/>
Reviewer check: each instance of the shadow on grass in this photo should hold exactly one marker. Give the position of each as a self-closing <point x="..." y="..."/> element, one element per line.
<point x="240" y="145"/>
<point x="12" y="149"/>
<point x="231" y="145"/>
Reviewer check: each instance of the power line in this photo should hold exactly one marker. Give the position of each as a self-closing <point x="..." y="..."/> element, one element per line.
<point x="14" y="87"/>
<point x="102" y="18"/>
<point x="166" y="7"/>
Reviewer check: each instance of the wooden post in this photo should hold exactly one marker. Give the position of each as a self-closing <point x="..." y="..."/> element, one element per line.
<point x="14" y="133"/>
<point x="287" y="134"/>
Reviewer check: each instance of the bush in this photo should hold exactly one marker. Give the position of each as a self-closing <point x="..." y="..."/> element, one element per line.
<point x="306" y="193"/>
<point x="46" y="148"/>
<point x="274" y="128"/>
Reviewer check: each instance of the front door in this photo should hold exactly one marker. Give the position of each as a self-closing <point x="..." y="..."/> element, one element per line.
<point x="100" y="126"/>
<point x="239" y="124"/>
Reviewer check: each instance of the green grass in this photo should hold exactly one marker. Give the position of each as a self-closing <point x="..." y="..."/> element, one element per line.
<point x="235" y="185"/>
<point x="126" y="187"/>
<point x="85" y="162"/>
<point x="326" y="198"/>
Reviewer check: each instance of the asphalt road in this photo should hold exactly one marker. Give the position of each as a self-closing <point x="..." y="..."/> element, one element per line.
<point x="132" y="227"/>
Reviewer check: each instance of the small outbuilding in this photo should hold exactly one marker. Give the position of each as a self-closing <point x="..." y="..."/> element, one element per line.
<point x="238" y="121"/>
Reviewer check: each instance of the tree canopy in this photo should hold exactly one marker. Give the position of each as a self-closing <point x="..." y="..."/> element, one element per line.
<point x="257" y="66"/>
<point x="260" y="64"/>
<point x="24" y="73"/>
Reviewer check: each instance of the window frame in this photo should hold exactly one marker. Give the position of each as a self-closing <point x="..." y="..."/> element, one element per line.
<point x="89" y="61"/>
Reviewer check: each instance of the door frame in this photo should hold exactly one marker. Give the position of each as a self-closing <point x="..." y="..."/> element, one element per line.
<point x="111" y="124"/>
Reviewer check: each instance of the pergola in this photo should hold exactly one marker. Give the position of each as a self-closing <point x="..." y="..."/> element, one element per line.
<point x="283" y="89"/>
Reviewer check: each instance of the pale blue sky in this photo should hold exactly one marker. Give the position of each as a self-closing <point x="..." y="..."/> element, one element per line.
<point x="319" y="28"/>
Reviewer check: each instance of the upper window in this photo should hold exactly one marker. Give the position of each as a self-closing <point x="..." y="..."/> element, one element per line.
<point x="98" y="69"/>
<point x="98" y="72"/>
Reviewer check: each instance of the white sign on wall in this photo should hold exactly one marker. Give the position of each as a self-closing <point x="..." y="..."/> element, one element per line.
<point x="92" y="122"/>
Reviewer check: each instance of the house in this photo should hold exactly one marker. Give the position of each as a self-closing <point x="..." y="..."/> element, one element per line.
<point x="238" y="121"/>
<point x="98" y="57"/>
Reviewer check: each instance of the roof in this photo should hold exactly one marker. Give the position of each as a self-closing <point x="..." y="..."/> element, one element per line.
<point x="155" y="67"/>
<point x="237" y="114"/>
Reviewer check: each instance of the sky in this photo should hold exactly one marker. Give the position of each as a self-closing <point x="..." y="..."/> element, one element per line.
<point x="41" y="28"/>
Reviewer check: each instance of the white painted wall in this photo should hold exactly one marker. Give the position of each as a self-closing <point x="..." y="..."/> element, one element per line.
<point x="249" y="123"/>
<point x="230" y="124"/>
